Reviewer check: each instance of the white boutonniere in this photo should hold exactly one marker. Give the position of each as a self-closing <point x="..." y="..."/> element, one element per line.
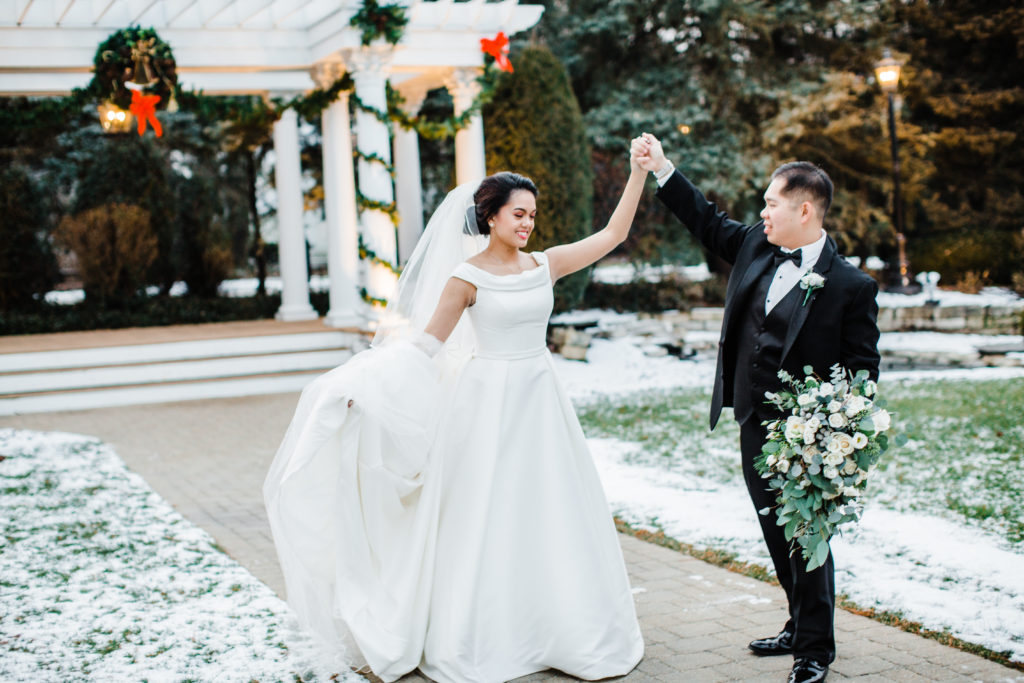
<point x="810" y="282"/>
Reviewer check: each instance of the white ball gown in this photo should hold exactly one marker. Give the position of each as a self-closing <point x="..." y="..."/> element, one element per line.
<point x="453" y="521"/>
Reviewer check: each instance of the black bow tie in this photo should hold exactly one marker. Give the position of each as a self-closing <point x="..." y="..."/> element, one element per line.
<point x="782" y="256"/>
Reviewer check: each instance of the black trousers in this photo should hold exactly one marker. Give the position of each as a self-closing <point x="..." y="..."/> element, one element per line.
<point x="811" y="595"/>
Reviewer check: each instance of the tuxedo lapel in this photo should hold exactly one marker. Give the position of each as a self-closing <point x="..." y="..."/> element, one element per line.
<point x="801" y="312"/>
<point x="756" y="269"/>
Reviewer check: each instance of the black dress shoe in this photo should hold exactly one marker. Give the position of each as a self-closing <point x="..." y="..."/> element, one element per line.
<point x="781" y="644"/>
<point x="807" y="670"/>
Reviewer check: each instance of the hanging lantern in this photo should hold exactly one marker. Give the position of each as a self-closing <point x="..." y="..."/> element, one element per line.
<point x="113" y="119"/>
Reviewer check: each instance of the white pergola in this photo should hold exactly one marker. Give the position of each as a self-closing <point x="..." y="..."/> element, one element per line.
<point x="282" y="48"/>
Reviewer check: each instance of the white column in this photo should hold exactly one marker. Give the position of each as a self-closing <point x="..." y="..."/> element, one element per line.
<point x="369" y="68"/>
<point x="292" y="238"/>
<point x="408" y="181"/>
<point x="470" y="157"/>
<point x="340" y="204"/>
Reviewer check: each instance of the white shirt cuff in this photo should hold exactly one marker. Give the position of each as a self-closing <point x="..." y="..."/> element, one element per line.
<point x="662" y="175"/>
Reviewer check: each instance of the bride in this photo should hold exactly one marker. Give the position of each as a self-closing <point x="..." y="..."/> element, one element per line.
<point x="433" y="502"/>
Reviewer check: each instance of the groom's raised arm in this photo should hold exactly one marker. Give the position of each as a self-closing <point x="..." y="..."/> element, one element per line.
<point x="720" y="234"/>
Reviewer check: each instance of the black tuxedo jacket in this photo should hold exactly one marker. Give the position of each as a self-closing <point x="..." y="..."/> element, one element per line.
<point x="837" y="325"/>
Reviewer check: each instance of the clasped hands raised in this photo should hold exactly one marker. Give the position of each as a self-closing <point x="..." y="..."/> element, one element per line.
<point x="645" y="152"/>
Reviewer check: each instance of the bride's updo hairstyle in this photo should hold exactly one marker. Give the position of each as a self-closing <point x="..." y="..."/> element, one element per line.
<point x="494" y="193"/>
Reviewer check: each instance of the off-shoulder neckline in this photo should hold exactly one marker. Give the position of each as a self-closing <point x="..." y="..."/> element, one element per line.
<point x="533" y="255"/>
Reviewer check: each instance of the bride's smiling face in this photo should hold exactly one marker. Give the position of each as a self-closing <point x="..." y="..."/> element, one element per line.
<point x="513" y="223"/>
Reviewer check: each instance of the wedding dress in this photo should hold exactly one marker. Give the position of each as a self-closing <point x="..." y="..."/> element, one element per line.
<point x="450" y="518"/>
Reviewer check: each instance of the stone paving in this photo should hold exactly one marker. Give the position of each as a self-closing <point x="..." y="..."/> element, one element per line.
<point x="209" y="458"/>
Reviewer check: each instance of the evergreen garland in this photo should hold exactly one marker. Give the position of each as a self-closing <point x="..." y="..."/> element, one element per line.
<point x="376" y="21"/>
<point x="115" y="63"/>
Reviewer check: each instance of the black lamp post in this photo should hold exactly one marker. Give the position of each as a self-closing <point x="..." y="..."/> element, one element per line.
<point x="887" y="72"/>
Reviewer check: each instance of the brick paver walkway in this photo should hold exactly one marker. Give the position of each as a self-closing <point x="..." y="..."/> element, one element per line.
<point x="208" y="458"/>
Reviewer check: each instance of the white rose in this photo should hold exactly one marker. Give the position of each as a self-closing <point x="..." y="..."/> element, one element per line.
<point x="812" y="279"/>
<point x="834" y="406"/>
<point x="845" y="444"/>
<point x="826" y="389"/>
<point x="830" y="472"/>
<point x="805" y="400"/>
<point x="835" y="459"/>
<point x="849" y="467"/>
<point x="854" y="405"/>
<point x="782" y="466"/>
<point x="870" y="388"/>
<point x="809" y="452"/>
<point x="859" y="440"/>
<point x="837" y="420"/>
<point x="770" y="460"/>
<point x="851" y="492"/>
<point x="810" y="430"/>
<point x="794" y="429"/>
<point x="833" y="444"/>
<point x="882" y="420"/>
<point x="861" y="475"/>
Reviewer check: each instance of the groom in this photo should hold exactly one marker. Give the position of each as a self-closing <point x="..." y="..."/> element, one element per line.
<point x="774" y="321"/>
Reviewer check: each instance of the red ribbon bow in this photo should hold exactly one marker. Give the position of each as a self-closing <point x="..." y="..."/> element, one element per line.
<point x="498" y="48"/>
<point x="144" y="109"/>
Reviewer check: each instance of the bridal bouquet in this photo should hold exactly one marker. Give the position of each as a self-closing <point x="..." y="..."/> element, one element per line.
<point x="819" y="458"/>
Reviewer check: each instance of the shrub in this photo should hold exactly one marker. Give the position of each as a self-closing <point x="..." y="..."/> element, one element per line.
<point x="27" y="264"/>
<point x="534" y="127"/>
<point x="205" y="242"/>
<point x="127" y="169"/>
<point x="670" y="293"/>
<point x="115" y="245"/>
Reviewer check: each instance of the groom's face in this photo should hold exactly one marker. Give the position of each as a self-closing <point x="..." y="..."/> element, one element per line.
<point x="785" y="218"/>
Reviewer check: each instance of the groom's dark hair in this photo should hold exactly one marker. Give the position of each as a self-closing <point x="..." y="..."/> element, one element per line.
<point x="493" y="194"/>
<point x="808" y="182"/>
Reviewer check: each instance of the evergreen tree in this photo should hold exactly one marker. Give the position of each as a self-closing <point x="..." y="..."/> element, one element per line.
<point x="130" y="170"/>
<point x="702" y="75"/>
<point x="965" y="91"/>
<point x="534" y="127"/>
<point x="27" y="263"/>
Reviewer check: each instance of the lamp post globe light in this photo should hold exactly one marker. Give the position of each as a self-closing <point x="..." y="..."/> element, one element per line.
<point x="887" y="73"/>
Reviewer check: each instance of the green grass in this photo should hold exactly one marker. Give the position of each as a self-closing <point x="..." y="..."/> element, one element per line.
<point x="962" y="461"/>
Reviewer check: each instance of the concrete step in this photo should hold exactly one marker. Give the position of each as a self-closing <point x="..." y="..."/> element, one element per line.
<point x="80" y="379"/>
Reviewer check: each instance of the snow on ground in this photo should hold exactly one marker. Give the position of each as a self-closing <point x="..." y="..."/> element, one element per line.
<point x="934" y="571"/>
<point x="941" y="574"/>
<point x="618" y="366"/>
<point x="989" y="296"/>
<point x="100" y="579"/>
<point x="232" y="288"/>
<point x="942" y="341"/>
<point x="621" y="273"/>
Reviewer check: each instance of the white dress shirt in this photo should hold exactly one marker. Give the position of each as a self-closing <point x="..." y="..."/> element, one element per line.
<point x="788" y="274"/>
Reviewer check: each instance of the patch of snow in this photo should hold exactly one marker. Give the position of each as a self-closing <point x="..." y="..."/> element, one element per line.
<point x="989" y="296"/>
<point x="103" y="580"/>
<point x="619" y="366"/>
<point x="232" y="288"/>
<point x="622" y="273"/>
<point x="65" y="297"/>
<point x="941" y="341"/>
<point x="954" y="374"/>
<point x="971" y="583"/>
